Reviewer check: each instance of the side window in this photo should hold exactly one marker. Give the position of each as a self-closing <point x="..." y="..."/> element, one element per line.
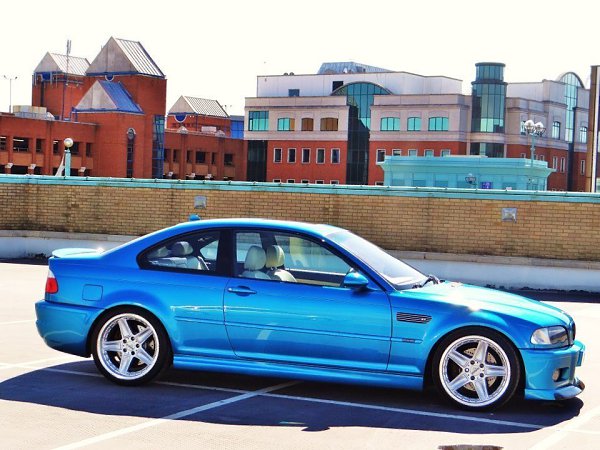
<point x="288" y="258"/>
<point x="191" y="252"/>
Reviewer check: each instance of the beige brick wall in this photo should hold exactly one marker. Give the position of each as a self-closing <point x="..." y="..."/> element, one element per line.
<point x="548" y="226"/>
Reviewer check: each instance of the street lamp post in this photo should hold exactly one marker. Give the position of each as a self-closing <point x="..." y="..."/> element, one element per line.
<point x="10" y="80"/>
<point x="68" y="144"/>
<point x="533" y="130"/>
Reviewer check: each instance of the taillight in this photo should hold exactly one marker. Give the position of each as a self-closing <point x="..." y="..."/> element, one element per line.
<point x="51" y="283"/>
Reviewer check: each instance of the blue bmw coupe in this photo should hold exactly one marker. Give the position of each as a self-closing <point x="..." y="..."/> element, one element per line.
<point x="299" y="300"/>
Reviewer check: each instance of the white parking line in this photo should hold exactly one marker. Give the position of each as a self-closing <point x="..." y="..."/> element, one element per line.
<point x="26" y="365"/>
<point x="414" y="412"/>
<point x="14" y="322"/>
<point x="563" y="432"/>
<point x="175" y="416"/>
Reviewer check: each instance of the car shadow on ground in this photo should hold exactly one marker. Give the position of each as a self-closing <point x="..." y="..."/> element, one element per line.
<point x="309" y="405"/>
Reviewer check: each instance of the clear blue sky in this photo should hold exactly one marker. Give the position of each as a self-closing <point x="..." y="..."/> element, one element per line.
<point x="216" y="49"/>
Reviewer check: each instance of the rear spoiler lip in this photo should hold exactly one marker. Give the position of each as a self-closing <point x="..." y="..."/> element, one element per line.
<point x="65" y="252"/>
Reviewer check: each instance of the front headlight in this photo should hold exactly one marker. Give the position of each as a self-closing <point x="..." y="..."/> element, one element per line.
<point x="550" y="336"/>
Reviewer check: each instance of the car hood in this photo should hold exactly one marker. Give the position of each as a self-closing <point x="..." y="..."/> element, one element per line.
<point x="477" y="298"/>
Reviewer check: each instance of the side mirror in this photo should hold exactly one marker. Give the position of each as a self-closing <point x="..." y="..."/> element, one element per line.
<point x="355" y="280"/>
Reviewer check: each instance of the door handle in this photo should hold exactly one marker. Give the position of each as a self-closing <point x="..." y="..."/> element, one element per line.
<point x="241" y="290"/>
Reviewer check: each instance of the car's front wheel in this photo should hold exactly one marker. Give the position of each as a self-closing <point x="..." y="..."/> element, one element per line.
<point x="476" y="368"/>
<point x="130" y="346"/>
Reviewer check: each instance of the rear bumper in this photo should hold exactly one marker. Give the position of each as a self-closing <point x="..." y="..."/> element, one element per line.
<point x="65" y="327"/>
<point x="542" y="365"/>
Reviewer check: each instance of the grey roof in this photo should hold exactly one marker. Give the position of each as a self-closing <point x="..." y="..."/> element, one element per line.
<point x="54" y="62"/>
<point x="120" y="56"/>
<point x="348" y="67"/>
<point x="195" y="105"/>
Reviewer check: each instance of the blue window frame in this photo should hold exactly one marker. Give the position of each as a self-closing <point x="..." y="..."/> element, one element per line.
<point x="258" y="121"/>
<point x="438" y="124"/>
<point x="285" y="124"/>
<point x="413" y="124"/>
<point x="390" y="124"/>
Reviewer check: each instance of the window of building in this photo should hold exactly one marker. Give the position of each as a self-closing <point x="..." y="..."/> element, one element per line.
<point x="379" y="183"/>
<point x="167" y="153"/>
<point x="277" y="155"/>
<point x="428" y="152"/>
<point x="307" y="124"/>
<point x="563" y="164"/>
<point x="276" y="180"/>
<point x="582" y="134"/>
<point x="213" y="158"/>
<point x="334" y="182"/>
<point x="88" y="149"/>
<point x="523" y="131"/>
<point x="413" y="124"/>
<point x="396" y="152"/>
<point x="3" y="142"/>
<point x="555" y="162"/>
<point x="523" y="155"/>
<point x="55" y="149"/>
<point x="228" y="159"/>
<point x="335" y="156"/>
<point x="291" y="155"/>
<point x="188" y="156"/>
<point x="413" y="152"/>
<point x="290" y="180"/>
<point x="319" y="182"/>
<point x="130" y="156"/>
<point x="336" y="85"/>
<point x="380" y="155"/>
<point x="320" y="156"/>
<point x="329" y="124"/>
<point x="305" y="181"/>
<point x="200" y="157"/>
<point x="20" y="144"/>
<point x="438" y="124"/>
<point x="445" y="152"/>
<point x="305" y="155"/>
<point x="258" y="121"/>
<point x="75" y="149"/>
<point x="582" y="167"/>
<point x="293" y="92"/>
<point x="555" y="130"/>
<point x="39" y="146"/>
<point x="175" y="155"/>
<point x="390" y="124"/>
<point x="285" y="124"/>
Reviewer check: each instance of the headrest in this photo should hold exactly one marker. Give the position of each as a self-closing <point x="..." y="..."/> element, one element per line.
<point x="255" y="258"/>
<point x="160" y="252"/>
<point x="182" y="249"/>
<point x="275" y="256"/>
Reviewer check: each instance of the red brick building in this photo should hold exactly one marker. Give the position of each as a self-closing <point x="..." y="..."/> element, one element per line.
<point x="114" y="109"/>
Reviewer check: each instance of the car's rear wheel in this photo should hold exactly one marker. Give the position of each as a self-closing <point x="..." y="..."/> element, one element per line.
<point x="476" y="368"/>
<point x="130" y="347"/>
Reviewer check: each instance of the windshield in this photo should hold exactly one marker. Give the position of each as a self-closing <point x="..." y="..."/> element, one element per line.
<point x="396" y="272"/>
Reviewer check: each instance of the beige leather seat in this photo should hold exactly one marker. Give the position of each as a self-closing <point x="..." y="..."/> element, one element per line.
<point x="254" y="263"/>
<point x="275" y="262"/>
<point x="182" y="256"/>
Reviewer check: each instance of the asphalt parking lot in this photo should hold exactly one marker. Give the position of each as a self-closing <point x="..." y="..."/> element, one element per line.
<point x="53" y="400"/>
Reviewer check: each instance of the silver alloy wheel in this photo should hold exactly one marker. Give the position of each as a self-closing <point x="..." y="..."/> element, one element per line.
<point x="475" y="371"/>
<point x="128" y="346"/>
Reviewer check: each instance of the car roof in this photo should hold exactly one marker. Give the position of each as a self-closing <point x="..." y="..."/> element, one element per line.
<point x="288" y="225"/>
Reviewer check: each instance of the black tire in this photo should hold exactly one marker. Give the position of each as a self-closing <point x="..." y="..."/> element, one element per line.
<point x="476" y="368"/>
<point x="137" y="335"/>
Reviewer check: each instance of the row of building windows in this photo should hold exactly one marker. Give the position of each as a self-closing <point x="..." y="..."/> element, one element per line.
<point x="334" y="155"/>
<point x="304" y="181"/>
<point x="198" y="157"/>
<point x="555" y="132"/>
<point x="381" y="153"/>
<point x="23" y="145"/>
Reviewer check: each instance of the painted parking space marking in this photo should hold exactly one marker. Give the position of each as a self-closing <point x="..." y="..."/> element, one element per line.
<point x="563" y="432"/>
<point x="175" y="416"/>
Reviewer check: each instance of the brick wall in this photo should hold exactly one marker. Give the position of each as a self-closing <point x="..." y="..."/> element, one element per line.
<point x="549" y="225"/>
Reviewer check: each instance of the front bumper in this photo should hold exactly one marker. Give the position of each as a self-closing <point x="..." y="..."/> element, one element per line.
<point x="65" y="327"/>
<point x="541" y="365"/>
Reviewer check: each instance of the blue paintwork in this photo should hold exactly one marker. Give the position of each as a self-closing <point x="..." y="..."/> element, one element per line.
<point x="254" y="326"/>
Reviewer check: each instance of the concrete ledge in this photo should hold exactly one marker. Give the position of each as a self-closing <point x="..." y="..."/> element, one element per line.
<point x="495" y="271"/>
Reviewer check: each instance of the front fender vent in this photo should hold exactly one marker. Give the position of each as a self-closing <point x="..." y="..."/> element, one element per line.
<point x="413" y="318"/>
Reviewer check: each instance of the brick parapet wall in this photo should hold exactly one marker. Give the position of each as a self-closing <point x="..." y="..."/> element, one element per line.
<point x="549" y="225"/>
